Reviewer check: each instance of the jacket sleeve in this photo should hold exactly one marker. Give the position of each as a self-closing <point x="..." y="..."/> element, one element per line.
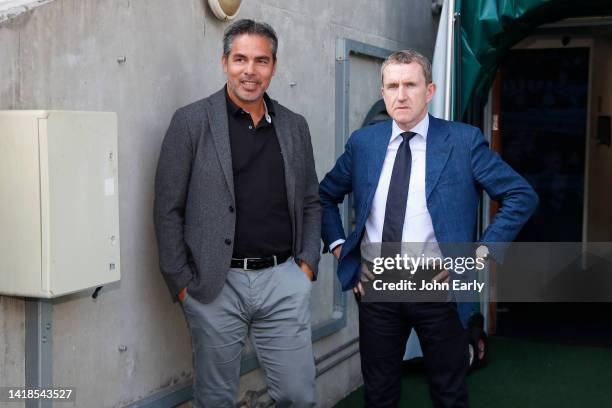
<point x="311" y="224"/>
<point x="333" y="188"/>
<point x="171" y="185"/>
<point x="517" y="198"/>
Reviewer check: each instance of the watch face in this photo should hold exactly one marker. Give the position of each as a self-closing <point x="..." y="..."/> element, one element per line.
<point x="482" y="252"/>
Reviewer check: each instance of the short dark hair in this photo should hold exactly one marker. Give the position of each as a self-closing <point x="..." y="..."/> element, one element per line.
<point x="407" y="57"/>
<point x="246" y="26"/>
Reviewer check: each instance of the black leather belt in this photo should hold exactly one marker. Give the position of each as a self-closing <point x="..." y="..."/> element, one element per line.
<point x="251" y="264"/>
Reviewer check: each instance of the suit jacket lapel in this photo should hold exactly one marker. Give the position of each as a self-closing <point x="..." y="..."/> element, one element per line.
<point x="217" y="118"/>
<point x="286" y="141"/>
<point x="438" y="151"/>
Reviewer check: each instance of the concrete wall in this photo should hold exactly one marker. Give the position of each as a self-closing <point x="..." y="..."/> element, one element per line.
<point x="64" y="55"/>
<point x="12" y="347"/>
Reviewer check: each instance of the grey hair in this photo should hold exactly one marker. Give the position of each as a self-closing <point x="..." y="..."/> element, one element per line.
<point x="246" y="26"/>
<point x="407" y="57"/>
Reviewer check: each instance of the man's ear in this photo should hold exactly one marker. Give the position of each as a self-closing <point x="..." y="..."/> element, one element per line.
<point x="431" y="90"/>
<point x="224" y="63"/>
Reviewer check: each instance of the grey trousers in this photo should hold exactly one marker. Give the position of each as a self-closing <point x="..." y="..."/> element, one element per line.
<point x="272" y="307"/>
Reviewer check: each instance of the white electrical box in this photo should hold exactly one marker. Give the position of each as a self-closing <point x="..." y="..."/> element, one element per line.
<point x="59" y="207"/>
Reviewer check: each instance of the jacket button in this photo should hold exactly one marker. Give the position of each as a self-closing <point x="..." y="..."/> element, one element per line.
<point x="231" y="208"/>
<point x="228" y="241"/>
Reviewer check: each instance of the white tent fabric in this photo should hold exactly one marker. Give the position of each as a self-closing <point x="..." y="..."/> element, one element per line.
<point x="441" y="105"/>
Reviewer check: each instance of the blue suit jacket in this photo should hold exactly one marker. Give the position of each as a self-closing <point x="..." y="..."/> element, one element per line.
<point x="459" y="164"/>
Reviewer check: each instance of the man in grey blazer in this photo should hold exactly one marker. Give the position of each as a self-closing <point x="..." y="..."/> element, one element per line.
<point x="237" y="219"/>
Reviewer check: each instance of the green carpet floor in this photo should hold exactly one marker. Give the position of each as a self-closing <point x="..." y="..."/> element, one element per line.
<point x="523" y="374"/>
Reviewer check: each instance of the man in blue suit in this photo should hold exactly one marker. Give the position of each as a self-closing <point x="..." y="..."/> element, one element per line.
<point x="416" y="178"/>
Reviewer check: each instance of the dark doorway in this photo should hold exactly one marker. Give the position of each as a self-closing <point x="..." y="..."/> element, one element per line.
<point x="543" y="121"/>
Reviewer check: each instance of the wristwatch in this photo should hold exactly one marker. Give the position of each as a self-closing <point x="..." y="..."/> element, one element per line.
<point x="482" y="252"/>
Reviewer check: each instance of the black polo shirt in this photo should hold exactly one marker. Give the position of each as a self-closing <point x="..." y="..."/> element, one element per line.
<point x="263" y="224"/>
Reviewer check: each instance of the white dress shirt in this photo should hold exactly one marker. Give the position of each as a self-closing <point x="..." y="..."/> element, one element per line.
<point x="418" y="227"/>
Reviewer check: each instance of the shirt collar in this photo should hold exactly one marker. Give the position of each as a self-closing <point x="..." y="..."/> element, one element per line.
<point x="420" y="128"/>
<point x="234" y="109"/>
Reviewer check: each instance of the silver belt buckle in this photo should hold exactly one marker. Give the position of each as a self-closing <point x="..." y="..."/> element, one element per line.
<point x="245" y="263"/>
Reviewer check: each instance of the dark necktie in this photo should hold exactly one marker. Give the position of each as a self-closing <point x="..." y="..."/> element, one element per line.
<point x="397" y="197"/>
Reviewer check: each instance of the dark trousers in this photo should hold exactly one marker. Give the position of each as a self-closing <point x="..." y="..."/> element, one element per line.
<point x="383" y="331"/>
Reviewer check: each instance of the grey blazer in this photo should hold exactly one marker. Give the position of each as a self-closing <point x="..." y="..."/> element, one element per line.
<point x="194" y="196"/>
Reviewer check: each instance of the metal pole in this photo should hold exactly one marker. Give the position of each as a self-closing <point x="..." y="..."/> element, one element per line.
<point x="457" y="42"/>
<point x="38" y="348"/>
<point x="449" y="61"/>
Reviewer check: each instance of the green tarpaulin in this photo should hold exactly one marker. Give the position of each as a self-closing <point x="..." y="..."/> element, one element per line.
<point x="490" y="27"/>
